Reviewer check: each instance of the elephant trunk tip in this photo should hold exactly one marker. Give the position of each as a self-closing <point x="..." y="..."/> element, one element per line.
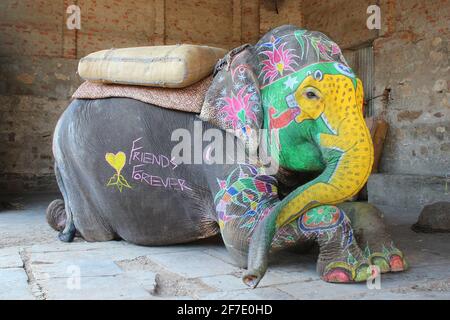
<point x="251" y="279"/>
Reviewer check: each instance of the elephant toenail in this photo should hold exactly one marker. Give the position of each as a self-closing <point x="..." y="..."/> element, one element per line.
<point x="396" y="263"/>
<point x="337" y="275"/>
<point x="381" y="263"/>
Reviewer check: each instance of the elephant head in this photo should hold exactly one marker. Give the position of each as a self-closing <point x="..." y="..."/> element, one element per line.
<point x="297" y="85"/>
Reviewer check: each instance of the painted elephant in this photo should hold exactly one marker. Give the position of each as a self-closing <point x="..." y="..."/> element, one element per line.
<point x="291" y="105"/>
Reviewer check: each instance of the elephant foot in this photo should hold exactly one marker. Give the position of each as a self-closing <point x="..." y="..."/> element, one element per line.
<point x="350" y="267"/>
<point x="394" y="263"/>
<point x="342" y="272"/>
<point x="388" y="259"/>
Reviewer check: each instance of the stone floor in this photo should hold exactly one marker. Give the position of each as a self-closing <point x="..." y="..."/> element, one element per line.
<point x="35" y="265"/>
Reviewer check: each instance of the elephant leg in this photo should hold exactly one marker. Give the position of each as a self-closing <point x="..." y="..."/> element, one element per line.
<point x="290" y="236"/>
<point x="340" y="258"/>
<point x="237" y="246"/>
<point x="372" y="236"/>
<point x="245" y="197"/>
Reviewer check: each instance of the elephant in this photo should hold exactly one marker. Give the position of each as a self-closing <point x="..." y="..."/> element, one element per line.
<point x="290" y="107"/>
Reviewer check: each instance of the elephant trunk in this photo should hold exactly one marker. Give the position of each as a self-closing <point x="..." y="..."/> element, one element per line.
<point x="349" y="158"/>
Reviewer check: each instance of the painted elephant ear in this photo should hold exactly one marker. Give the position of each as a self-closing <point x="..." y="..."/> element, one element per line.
<point x="233" y="101"/>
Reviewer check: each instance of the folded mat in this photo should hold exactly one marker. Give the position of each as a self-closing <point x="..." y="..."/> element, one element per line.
<point x="172" y="66"/>
<point x="189" y="99"/>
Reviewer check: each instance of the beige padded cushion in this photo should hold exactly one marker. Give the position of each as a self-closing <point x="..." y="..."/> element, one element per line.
<point x="189" y="99"/>
<point x="174" y="66"/>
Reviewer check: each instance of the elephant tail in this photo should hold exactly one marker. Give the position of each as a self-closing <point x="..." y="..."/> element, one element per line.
<point x="56" y="215"/>
<point x="59" y="216"/>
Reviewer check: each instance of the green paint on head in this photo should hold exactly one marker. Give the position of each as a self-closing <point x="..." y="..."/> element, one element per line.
<point x="301" y="152"/>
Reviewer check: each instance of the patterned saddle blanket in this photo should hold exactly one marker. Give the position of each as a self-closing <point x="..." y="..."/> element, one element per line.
<point x="188" y="99"/>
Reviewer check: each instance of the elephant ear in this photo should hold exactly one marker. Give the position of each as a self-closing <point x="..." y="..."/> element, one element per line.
<point x="233" y="101"/>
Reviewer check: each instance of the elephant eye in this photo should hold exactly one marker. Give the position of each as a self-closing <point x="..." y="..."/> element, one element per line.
<point x="311" y="95"/>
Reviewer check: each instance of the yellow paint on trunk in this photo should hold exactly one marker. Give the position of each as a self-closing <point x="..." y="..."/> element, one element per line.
<point x="340" y="105"/>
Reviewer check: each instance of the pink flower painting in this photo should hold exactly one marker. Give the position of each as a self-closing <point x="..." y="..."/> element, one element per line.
<point x="335" y="49"/>
<point x="278" y="61"/>
<point x="238" y="109"/>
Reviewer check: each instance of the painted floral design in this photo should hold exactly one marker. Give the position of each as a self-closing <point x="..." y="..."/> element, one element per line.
<point x="279" y="60"/>
<point x="324" y="215"/>
<point x="326" y="220"/>
<point x="324" y="48"/>
<point x="270" y="44"/>
<point x="238" y="110"/>
<point x="321" y="219"/>
<point x="248" y="188"/>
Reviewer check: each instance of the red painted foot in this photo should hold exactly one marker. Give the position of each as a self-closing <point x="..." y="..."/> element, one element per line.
<point x="337" y="275"/>
<point x="396" y="263"/>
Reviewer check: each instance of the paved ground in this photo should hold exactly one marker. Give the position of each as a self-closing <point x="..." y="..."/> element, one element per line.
<point x="35" y="265"/>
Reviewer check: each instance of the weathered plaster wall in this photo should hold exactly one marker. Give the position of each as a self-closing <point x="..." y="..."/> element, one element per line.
<point x="275" y="13"/>
<point x="412" y="59"/>
<point x="344" y="21"/>
<point x="411" y="53"/>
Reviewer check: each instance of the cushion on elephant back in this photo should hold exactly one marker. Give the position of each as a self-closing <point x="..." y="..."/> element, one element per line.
<point x="172" y="66"/>
<point x="189" y="99"/>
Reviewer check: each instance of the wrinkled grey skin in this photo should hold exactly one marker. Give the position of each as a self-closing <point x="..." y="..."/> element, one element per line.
<point x="144" y="215"/>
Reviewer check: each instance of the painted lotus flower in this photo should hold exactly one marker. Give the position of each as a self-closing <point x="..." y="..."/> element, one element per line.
<point x="278" y="61"/>
<point x="238" y="109"/>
